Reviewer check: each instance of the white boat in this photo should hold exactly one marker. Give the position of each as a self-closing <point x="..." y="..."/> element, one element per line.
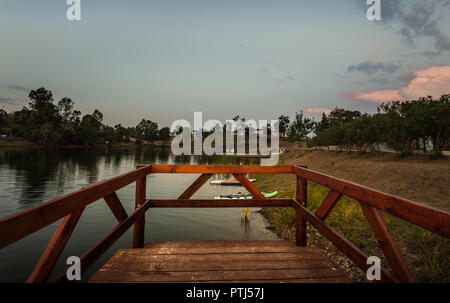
<point x="229" y="182"/>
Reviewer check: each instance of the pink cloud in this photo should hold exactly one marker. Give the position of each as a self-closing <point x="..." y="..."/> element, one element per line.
<point x="317" y="110"/>
<point x="434" y="81"/>
<point x="375" y="96"/>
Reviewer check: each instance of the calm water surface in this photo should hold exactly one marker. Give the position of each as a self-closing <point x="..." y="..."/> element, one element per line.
<point x="32" y="176"/>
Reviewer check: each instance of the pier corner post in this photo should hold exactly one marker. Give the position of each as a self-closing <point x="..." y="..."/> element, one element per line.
<point x="300" y="222"/>
<point x="139" y="226"/>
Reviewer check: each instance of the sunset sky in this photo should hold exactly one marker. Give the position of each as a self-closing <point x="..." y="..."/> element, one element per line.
<point x="163" y="60"/>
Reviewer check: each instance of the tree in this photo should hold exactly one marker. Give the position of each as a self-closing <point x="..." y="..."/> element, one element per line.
<point x="147" y="130"/>
<point x="65" y="107"/>
<point x="4" y="122"/>
<point x="121" y="133"/>
<point x="323" y="124"/>
<point x="397" y="121"/>
<point x="340" y="115"/>
<point x="164" y="133"/>
<point x="301" y="127"/>
<point x="45" y="122"/>
<point x="283" y="124"/>
<point x="91" y="127"/>
<point x="42" y="123"/>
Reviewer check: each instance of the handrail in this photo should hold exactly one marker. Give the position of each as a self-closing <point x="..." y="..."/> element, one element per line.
<point x="20" y="225"/>
<point x="71" y="206"/>
<point x="433" y="219"/>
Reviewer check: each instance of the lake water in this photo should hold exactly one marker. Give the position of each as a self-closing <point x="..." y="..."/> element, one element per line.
<point x="29" y="177"/>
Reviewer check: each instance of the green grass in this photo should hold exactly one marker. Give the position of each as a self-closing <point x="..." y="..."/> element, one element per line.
<point x="426" y="253"/>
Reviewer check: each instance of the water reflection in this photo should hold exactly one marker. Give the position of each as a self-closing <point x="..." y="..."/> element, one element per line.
<point x="32" y="176"/>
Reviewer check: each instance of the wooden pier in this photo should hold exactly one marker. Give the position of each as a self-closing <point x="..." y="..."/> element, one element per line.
<point x="221" y="261"/>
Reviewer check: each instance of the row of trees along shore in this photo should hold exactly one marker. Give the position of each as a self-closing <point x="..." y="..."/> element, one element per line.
<point x="45" y="121"/>
<point x="422" y="124"/>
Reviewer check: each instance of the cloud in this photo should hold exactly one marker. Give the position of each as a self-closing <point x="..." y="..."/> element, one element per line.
<point x="286" y="79"/>
<point x="16" y="87"/>
<point x="317" y="110"/>
<point x="374" y="96"/>
<point x="434" y="81"/>
<point x="419" y="22"/>
<point x="7" y="101"/>
<point x="414" y="19"/>
<point x="371" y="68"/>
<point x="378" y="80"/>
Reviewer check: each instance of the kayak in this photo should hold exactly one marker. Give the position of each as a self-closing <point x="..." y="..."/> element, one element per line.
<point x="229" y="182"/>
<point x="246" y="196"/>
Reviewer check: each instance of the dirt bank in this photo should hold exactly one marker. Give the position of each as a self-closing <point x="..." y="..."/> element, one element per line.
<point x="416" y="178"/>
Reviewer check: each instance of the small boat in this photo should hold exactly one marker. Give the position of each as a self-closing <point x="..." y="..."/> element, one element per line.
<point x="229" y="182"/>
<point x="246" y="196"/>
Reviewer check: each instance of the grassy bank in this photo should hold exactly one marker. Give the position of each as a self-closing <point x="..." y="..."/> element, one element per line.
<point x="426" y="253"/>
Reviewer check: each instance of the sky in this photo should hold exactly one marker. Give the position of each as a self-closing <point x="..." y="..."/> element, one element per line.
<point x="164" y="60"/>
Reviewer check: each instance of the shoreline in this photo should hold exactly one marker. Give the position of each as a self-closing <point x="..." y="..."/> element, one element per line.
<point x="426" y="254"/>
<point x="26" y="145"/>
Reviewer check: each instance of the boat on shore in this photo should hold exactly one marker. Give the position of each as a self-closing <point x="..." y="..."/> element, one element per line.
<point x="229" y="182"/>
<point x="271" y="194"/>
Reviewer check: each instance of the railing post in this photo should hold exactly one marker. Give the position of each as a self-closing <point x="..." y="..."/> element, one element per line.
<point x="300" y="222"/>
<point x="139" y="226"/>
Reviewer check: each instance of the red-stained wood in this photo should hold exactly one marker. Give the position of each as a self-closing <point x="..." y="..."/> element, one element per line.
<point x="207" y="261"/>
<point x="222" y="169"/>
<point x="249" y="186"/>
<point x="70" y="207"/>
<point x="300" y="222"/>
<point x="50" y="256"/>
<point x="387" y="244"/>
<point x="20" y="225"/>
<point x="116" y="206"/>
<point x="433" y="219"/>
<point x="328" y="204"/>
<point x="139" y="226"/>
<point x="349" y="249"/>
<point x="213" y="203"/>
<point x="96" y="251"/>
<point x="191" y="190"/>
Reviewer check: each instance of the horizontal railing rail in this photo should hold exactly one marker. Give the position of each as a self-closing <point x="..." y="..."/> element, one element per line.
<point x="70" y="207"/>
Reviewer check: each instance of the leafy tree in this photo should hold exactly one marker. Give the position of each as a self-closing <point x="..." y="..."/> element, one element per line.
<point x="339" y="116"/>
<point x="90" y="128"/>
<point x="121" y="133"/>
<point x="400" y="125"/>
<point x="283" y="124"/>
<point x="301" y="127"/>
<point x="4" y="122"/>
<point x="147" y="130"/>
<point x="164" y="133"/>
<point x="323" y="124"/>
<point x="45" y="122"/>
<point x="42" y="123"/>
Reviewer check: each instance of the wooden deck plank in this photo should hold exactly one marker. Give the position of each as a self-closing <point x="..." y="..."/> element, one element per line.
<point x="187" y="264"/>
<point x="221" y="243"/>
<point x="124" y="256"/>
<point x="306" y="280"/>
<point x="205" y="276"/>
<point x="219" y="261"/>
<point x="212" y="250"/>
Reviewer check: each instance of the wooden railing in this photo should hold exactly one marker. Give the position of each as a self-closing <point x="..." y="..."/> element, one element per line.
<point x="70" y="207"/>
